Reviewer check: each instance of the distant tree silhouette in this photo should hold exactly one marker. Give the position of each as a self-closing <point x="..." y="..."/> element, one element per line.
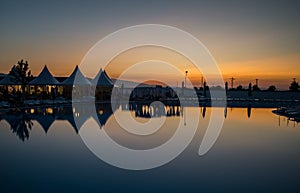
<point x="294" y="85"/>
<point x="21" y="73"/>
<point x="255" y="88"/>
<point x="239" y="87"/>
<point x="272" y="88"/>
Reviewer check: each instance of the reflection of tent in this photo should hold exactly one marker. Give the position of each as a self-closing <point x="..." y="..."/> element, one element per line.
<point x="104" y="111"/>
<point x="10" y="118"/>
<point x="80" y="79"/>
<point x="102" y="79"/>
<point x="75" y="115"/>
<point x="70" y="118"/>
<point x="44" y="120"/>
<point x="44" y="78"/>
<point x="102" y="118"/>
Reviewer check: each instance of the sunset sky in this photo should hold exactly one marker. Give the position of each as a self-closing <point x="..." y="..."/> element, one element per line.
<point x="248" y="39"/>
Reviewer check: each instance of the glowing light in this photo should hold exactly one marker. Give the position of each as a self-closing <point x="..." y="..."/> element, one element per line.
<point x="49" y="110"/>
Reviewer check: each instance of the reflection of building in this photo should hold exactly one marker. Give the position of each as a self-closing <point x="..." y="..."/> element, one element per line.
<point x="45" y="117"/>
<point x="147" y="110"/>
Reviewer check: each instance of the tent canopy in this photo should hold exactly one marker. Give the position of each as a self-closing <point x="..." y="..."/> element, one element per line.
<point x="44" y="78"/>
<point x="76" y="78"/>
<point x="102" y="79"/>
<point x="8" y="80"/>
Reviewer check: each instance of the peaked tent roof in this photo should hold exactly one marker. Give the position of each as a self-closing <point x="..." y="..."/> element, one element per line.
<point x="7" y="80"/>
<point x="80" y="79"/>
<point x="102" y="79"/>
<point x="44" y="120"/>
<point x="44" y="78"/>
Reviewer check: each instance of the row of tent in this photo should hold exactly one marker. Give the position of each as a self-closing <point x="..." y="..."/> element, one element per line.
<point x="46" y="78"/>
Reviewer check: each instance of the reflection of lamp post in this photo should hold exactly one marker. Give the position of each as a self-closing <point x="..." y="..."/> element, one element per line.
<point x="184" y="118"/>
<point x="186" y="72"/>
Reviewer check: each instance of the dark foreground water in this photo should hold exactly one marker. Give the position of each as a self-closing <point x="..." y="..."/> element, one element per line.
<point x="256" y="151"/>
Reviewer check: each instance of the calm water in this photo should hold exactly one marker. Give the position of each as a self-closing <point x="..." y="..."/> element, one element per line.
<point x="259" y="153"/>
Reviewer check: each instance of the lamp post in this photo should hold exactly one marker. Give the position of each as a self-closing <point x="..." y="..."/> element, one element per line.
<point x="186" y="72"/>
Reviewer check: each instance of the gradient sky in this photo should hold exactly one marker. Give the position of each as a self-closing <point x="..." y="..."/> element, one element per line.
<point x="249" y="39"/>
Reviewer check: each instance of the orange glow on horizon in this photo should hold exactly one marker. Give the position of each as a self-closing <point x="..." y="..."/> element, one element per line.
<point x="276" y="70"/>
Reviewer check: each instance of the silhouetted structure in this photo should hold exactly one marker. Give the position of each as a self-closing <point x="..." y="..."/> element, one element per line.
<point x="102" y="86"/>
<point x="250" y="90"/>
<point x="77" y="84"/>
<point x="294" y="85"/>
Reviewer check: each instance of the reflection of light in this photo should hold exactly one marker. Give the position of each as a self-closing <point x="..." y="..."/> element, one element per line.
<point x="76" y="114"/>
<point x="31" y="111"/>
<point x="49" y="110"/>
<point x="74" y="110"/>
<point x="100" y="112"/>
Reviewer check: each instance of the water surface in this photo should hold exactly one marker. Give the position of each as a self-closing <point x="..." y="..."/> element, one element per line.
<point x="256" y="151"/>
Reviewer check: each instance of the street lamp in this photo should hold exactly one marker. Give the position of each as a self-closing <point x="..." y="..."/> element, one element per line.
<point x="186" y="72"/>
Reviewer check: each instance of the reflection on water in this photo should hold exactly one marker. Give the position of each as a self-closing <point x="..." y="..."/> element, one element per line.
<point x="21" y="121"/>
<point x="257" y="151"/>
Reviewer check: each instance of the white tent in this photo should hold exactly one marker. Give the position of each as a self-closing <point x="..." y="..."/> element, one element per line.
<point x="102" y="79"/>
<point x="44" y="78"/>
<point x="76" y="78"/>
<point x="9" y="80"/>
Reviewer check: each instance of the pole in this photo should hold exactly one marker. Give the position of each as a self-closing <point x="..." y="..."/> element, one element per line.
<point x="186" y="72"/>
<point x="232" y="79"/>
